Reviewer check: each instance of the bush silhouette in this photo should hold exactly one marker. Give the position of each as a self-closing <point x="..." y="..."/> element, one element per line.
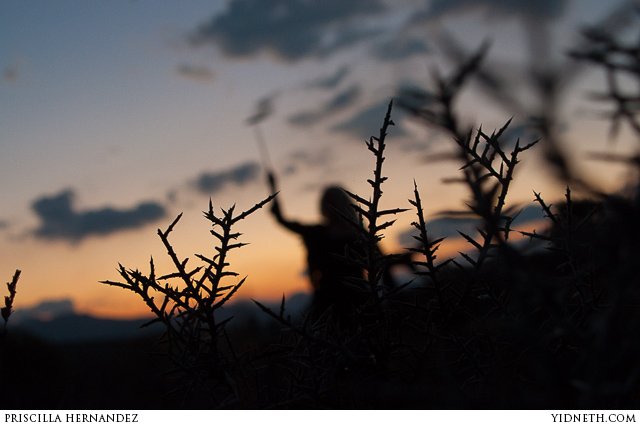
<point x="492" y="327"/>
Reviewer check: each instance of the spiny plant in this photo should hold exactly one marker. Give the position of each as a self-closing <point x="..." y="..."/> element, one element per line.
<point x="566" y="226"/>
<point x="7" y="310"/>
<point x="596" y="240"/>
<point x="488" y="168"/>
<point x="374" y="326"/>
<point x="499" y="329"/>
<point x="186" y="300"/>
<point x="373" y="261"/>
<point x="500" y="301"/>
<point x="467" y="303"/>
<point x="569" y="310"/>
<point x="489" y="184"/>
<point x="427" y="247"/>
<point x="357" y="341"/>
<point x="437" y="107"/>
<point x="619" y="61"/>
<point x="548" y="79"/>
<point x="379" y="339"/>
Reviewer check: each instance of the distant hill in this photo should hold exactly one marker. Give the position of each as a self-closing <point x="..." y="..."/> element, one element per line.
<point x="76" y="327"/>
<point x="57" y="321"/>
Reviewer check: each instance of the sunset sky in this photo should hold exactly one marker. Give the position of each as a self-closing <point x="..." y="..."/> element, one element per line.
<point x="115" y="116"/>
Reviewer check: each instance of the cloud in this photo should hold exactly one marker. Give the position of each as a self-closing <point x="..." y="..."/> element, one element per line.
<point x="329" y="81"/>
<point x="338" y="102"/>
<point x="344" y="98"/>
<point x="4" y="224"/>
<point x="399" y="48"/>
<point x="196" y="73"/>
<point x="212" y="182"/>
<point x="263" y="109"/>
<point x="290" y="29"/>
<point x="306" y="159"/>
<point x="58" y="220"/>
<point x="367" y="122"/>
<point x="534" y="10"/>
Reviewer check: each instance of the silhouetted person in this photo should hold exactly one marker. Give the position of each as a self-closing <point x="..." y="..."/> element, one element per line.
<point x="330" y="247"/>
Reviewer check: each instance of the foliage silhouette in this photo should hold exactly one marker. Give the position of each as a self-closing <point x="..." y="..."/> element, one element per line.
<point x="492" y="327"/>
<point x="187" y="308"/>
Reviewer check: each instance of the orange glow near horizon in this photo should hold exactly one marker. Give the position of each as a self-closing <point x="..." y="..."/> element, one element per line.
<point x="130" y="306"/>
<point x="270" y="275"/>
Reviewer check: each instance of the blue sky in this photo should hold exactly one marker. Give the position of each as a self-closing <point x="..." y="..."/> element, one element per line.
<point x="114" y="113"/>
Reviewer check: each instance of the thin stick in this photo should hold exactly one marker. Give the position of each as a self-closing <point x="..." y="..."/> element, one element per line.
<point x="262" y="147"/>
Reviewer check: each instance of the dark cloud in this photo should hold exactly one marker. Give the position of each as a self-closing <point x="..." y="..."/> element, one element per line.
<point x="306" y="159"/>
<point x="344" y="98"/>
<point x="330" y="81"/>
<point x="4" y="224"/>
<point x="58" y="220"/>
<point x="291" y="29"/>
<point x="399" y="48"/>
<point x="210" y="183"/>
<point x="367" y="122"/>
<point x="197" y="73"/>
<point x="347" y="38"/>
<point x="263" y="109"/>
<point x="534" y="10"/>
<point x="337" y="103"/>
<point x="306" y="118"/>
<point x="448" y="227"/>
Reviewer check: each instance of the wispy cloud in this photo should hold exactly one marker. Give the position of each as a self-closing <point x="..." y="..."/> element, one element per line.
<point x="212" y="182"/>
<point x="59" y="219"/>
<point x="198" y="73"/>
<point x="290" y="29"/>
<point x="328" y="82"/>
<point x="307" y="159"/>
<point x="263" y="109"/>
<point x="337" y="103"/>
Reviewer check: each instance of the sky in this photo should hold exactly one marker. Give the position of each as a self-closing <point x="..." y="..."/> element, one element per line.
<point x="117" y="116"/>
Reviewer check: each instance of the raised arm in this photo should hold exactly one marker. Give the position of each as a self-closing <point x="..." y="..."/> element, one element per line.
<point x="294" y="226"/>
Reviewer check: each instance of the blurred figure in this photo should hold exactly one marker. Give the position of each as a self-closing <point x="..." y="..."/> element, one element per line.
<point x="331" y="246"/>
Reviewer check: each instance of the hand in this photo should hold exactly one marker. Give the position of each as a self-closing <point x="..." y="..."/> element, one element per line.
<point x="271" y="181"/>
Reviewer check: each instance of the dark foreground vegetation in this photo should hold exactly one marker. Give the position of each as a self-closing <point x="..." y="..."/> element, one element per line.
<point x="492" y="328"/>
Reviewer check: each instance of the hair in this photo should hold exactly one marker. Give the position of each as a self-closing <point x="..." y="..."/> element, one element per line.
<point x="336" y="206"/>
